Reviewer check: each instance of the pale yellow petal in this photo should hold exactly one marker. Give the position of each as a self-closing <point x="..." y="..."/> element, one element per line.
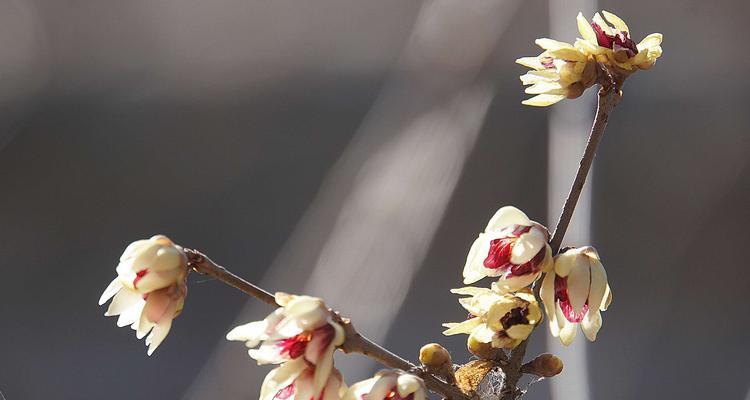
<point x="585" y="29"/>
<point x="616" y="21"/>
<point x="474" y="267"/>
<point x="568" y="54"/>
<point x="506" y="216"/>
<point x="527" y="246"/>
<point x="543" y="100"/>
<point x="551" y="44"/>
<point x="531" y="62"/>
<point x="591" y="324"/>
<point x="461" y="327"/>
<point x="520" y="332"/>
<point x="579" y="282"/>
<point x="651" y="40"/>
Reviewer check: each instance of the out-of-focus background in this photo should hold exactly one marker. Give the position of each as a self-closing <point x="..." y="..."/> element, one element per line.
<point x="353" y="150"/>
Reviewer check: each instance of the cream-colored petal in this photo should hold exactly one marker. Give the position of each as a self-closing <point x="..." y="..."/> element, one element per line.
<point x="533" y="77"/>
<point x="603" y="24"/>
<point x="598" y="284"/>
<point x="506" y="285"/>
<point x="472" y="291"/>
<point x="358" y="389"/>
<point x="461" y="327"/>
<point x="483" y="334"/>
<point x="531" y="62"/>
<point x="133" y="248"/>
<point x="649" y="41"/>
<point x="585" y="29"/>
<point x="158" y="334"/>
<point x="546" y="88"/>
<point x="407" y="384"/>
<point x="564" y="263"/>
<point x="591" y="324"/>
<point x="474" y="268"/>
<point x="551" y="44"/>
<point x="131" y="314"/>
<point x="309" y="312"/>
<point x="547" y="294"/>
<point x="568" y="333"/>
<point x="607" y="299"/>
<point x="323" y="369"/>
<point x="281" y="377"/>
<point x="591" y="48"/>
<point x="110" y="291"/>
<point x="519" y="332"/>
<point x="548" y="262"/>
<point x="507" y="216"/>
<point x="543" y="100"/>
<point x="616" y="21"/>
<point x="123" y="300"/>
<point x="528" y="246"/>
<point x="251" y="333"/>
<point x="568" y="54"/>
<point x="579" y="282"/>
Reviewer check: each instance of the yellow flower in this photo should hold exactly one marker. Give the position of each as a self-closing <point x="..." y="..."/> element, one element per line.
<point x="561" y="71"/>
<point x="502" y="320"/>
<point x="609" y="41"/>
<point x="574" y="293"/>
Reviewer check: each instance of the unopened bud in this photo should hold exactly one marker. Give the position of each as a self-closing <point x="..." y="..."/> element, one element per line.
<point x="434" y="356"/>
<point x="545" y="365"/>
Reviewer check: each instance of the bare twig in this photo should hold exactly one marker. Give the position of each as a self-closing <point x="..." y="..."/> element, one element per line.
<point x="609" y="96"/>
<point x="354" y="343"/>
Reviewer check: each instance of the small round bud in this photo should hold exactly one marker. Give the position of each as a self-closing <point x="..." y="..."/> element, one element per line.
<point x="545" y="365"/>
<point x="434" y="356"/>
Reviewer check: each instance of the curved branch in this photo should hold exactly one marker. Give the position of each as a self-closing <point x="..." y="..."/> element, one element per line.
<point x="354" y="343"/>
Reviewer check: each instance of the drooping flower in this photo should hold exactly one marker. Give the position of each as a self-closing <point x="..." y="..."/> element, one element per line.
<point x="561" y="71"/>
<point x="610" y="42"/>
<point x="150" y="287"/>
<point x="500" y="320"/>
<point x="295" y="380"/>
<point x="301" y="329"/>
<point x="513" y="248"/>
<point x="388" y="384"/>
<point x="574" y="293"/>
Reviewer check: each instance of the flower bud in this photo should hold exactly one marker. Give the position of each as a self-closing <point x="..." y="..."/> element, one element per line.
<point x="545" y="365"/>
<point x="434" y="356"/>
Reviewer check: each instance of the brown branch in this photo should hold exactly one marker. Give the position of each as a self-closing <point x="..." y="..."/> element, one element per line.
<point x="609" y="96"/>
<point x="354" y="343"/>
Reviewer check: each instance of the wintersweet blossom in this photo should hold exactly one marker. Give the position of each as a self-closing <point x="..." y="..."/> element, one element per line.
<point x="301" y="329"/>
<point x="501" y="320"/>
<point x="561" y="71"/>
<point x="388" y="384"/>
<point x="295" y="380"/>
<point x="513" y="248"/>
<point x="150" y="287"/>
<point x="610" y="42"/>
<point x="574" y="293"/>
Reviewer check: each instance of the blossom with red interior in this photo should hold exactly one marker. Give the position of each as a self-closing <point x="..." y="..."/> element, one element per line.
<point x="150" y="287"/>
<point x="302" y="329"/>
<point x="574" y="293"/>
<point x="295" y="380"/>
<point x="388" y="384"/>
<point x="513" y="248"/>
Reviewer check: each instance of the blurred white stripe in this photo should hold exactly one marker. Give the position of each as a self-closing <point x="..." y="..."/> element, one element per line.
<point x="570" y="122"/>
<point x="366" y="234"/>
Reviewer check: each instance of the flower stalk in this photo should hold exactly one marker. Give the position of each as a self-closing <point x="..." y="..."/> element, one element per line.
<point x="608" y="97"/>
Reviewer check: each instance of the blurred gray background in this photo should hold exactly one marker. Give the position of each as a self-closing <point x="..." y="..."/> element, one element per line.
<point x="353" y="150"/>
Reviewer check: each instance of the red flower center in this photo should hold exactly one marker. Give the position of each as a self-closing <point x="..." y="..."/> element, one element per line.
<point x="500" y="251"/>
<point x="392" y="395"/>
<point x="619" y="41"/>
<point x="295" y="346"/>
<point x="561" y="297"/>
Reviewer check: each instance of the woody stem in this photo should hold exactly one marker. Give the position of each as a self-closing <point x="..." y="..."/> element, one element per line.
<point x="609" y="96"/>
<point x="355" y="342"/>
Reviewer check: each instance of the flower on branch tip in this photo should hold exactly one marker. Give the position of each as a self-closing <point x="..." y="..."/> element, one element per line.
<point x="301" y="329"/>
<point x="388" y="384"/>
<point x="574" y="293"/>
<point x="502" y="320"/>
<point x="513" y="248"/>
<point x="609" y="41"/>
<point x="562" y="71"/>
<point x="150" y="287"/>
<point x="295" y="380"/>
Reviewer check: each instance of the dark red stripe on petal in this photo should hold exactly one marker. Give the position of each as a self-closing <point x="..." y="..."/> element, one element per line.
<point x="294" y="346"/>
<point x="138" y="275"/>
<point x="285" y="393"/>
<point x="530" y="267"/>
<point x="561" y="297"/>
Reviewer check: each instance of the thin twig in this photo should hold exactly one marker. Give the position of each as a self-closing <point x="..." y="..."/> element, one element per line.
<point x="609" y="96"/>
<point x="354" y="343"/>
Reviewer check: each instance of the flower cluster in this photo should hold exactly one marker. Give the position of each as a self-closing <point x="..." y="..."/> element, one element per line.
<point x="149" y="290"/>
<point x="302" y="336"/>
<point x="500" y="321"/>
<point x="565" y="70"/>
<point x="515" y="249"/>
